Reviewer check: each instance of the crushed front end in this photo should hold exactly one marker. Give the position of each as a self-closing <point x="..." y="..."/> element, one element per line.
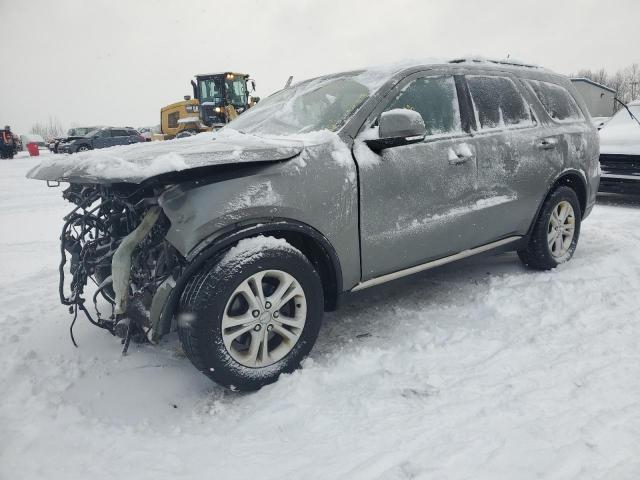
<point x="115" y="239"/>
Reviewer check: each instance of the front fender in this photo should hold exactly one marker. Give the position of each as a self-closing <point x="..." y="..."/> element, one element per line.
<point x="313" y="192"/>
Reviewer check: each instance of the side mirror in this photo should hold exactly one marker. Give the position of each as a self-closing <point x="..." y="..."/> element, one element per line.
<point x="398" y="127"/>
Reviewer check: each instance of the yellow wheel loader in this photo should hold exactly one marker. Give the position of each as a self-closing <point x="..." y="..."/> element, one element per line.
<point x="217" y="99"/>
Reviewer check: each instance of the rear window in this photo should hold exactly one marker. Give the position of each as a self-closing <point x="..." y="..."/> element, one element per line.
<point x="556" y="100"/>
<point x="497" y="102"/>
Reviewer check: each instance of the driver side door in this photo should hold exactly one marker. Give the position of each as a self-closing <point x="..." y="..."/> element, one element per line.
<point x="417" y="201"/>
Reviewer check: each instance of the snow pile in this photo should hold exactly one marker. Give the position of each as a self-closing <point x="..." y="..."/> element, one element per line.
<point x="480" y="370"/>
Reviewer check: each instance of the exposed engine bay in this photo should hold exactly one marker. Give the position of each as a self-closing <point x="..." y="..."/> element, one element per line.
<point x="115" y="238"/>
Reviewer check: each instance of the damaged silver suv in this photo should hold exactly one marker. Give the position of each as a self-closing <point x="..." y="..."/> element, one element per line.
<point x="241" y="239"/>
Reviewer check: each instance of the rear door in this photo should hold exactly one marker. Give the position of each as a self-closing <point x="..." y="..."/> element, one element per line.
<point x="417" y="201"/>
<point x="134" y="136"/>
<point x="102" y="139"/>
<point x="511" y="172"/>
<point x="120" y="137"/>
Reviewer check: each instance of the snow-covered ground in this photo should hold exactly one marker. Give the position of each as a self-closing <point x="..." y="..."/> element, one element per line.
<point x="480" y="370"/>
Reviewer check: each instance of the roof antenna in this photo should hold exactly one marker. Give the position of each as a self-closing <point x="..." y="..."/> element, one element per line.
<point x="288" y="84"/>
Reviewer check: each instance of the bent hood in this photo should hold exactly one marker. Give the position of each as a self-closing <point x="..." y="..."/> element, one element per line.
<point x="141" y="161"/>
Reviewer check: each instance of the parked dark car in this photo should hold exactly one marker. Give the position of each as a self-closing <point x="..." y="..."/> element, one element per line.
<point x="620" y="152"/>
<point x="72" y="133"/>
<point x="242" y="239"/>
<point x="101" y="138"/>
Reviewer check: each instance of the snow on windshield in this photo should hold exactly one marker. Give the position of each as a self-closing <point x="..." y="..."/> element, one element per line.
<point x="320" y="104"/>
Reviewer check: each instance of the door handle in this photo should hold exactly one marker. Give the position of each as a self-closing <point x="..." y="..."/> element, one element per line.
<point x="460" y="157"/>
<point x="547" y="143"/>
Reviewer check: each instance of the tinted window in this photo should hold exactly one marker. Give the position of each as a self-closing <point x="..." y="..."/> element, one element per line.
<point x="99" y="134"/>
<point x="497" y="102"/>
<point x="556" y="100"/>
<point x="119" y="133"/>
<point x="435" y="98"/>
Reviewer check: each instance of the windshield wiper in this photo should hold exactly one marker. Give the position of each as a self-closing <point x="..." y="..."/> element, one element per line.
<point x="627" y="109"/>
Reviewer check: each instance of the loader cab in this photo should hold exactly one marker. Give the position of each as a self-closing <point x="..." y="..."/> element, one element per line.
<point x="222" y="96"/>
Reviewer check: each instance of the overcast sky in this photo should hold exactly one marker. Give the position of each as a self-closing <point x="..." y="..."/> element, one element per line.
<point x="117" y="62"/>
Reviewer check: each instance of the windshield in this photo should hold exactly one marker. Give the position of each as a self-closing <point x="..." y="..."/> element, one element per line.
<point x="79" y="131"/>
<point x="622" y="116"/>
<point x="211" y="91"/>
<point x="93" y="133"/>
<point x="319" y="104"/>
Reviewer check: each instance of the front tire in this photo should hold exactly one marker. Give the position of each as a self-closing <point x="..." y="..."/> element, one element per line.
<point x="83" y="148"/>
<point x="251" y="315"/>
<point x="555" y="234"/>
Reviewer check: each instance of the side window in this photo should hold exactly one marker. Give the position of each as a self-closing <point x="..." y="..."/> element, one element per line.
<point x="556" y="100"/>
<point x="119" y="133"/>
<point x="497" y="103"/>
<point x="435" y="98"/>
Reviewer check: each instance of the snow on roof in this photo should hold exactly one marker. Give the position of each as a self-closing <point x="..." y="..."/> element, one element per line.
<point x="512" y="62"/>
<point x="374" y="76"/>
<point x="596" y="84"/>
<point x="221" y="73"/>
<point x="469" y="59"/>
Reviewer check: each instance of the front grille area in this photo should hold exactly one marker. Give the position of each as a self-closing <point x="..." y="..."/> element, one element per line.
<point x="620" y="164"/>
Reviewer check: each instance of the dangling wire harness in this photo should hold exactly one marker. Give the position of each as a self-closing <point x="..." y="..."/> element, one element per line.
<point x="106" y="229"/>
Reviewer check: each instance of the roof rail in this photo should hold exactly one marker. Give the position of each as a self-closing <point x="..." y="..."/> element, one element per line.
<point x="497" y="62"/>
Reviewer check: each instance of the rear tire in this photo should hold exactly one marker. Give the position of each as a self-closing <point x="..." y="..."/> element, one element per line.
<point x="555" y="234"/>
<point x="237" y="323"/>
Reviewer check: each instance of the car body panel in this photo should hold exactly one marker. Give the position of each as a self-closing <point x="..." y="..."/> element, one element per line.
<point x="285" y="190"/>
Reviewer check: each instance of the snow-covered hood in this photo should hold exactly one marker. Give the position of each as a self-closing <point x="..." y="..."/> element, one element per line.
<point x="620" y="139"/>
<point x="138" y="162"/>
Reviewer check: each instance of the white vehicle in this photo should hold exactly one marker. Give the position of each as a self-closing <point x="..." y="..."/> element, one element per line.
<point x="620" y="151"/>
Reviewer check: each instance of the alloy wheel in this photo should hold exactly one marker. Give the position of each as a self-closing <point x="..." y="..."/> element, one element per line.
<point x="264" y="318"/>
<point x="561" y="229"/>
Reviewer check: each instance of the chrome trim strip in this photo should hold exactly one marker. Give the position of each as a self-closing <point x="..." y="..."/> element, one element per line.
<point x="620" y="177"/>
<point x="435" y="263"/>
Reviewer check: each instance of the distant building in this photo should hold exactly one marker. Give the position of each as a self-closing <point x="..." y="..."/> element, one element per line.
<point x="599" y="99"/>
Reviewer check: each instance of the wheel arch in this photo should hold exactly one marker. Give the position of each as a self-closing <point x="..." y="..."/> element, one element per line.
<point x="571" y="178"/>
<point x="575" y="180"/>
<point x="313" y="244"/>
